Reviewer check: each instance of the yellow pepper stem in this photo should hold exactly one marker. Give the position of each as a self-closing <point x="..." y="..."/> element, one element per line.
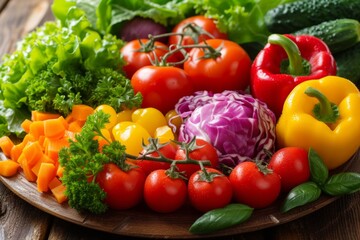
<point x="325" y="110"/>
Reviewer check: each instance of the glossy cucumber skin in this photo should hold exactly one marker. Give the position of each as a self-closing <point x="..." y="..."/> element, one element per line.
<point x="293" y="16"/>
<point x="348" y="64"/>
<point x="338" y="34"/>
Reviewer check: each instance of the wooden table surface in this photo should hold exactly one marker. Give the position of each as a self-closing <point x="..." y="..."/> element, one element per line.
<point x="20" y="220"/>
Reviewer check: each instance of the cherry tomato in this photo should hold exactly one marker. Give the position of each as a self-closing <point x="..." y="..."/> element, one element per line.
<point x="230" y="70"/>
<point x="131" y="135"/>
<point x="209" y="192"/>
<point x="161" y="87"/>
<point x="163" y="193"/>
<point x="254" y="187"/>
<point x="148" y="166"/>
<point x="150" y="118"/>
<point x="111" y="111"/>
<point x="206" y="151"/>
<point x="124" y="190"/>
<point x="202" y="23"/>
<point x="139" y="53"/>
<point x="292" y="164"/>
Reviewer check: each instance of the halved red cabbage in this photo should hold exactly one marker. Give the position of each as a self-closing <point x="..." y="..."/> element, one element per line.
<point x="239" y="126"/>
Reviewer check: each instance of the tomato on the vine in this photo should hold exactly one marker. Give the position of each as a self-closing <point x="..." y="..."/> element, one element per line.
<point x="149" y="166"/>
<point x="200" y="151"/>
<point x="254" y="184"/>
<point x="292" y="164"/>
<point x="124" y="189"/>
<point x="209" y="190"/>
<point x="223" y="65"/>
<point x="200" y="23"/>
<point x="164" y="191"/>
<point x="161" y="86"/>
<point x="143" y="52"/>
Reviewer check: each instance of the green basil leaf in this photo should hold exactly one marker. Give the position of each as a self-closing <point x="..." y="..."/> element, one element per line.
<point x="221" y="218"/>
<point x="342" y="183"/>
<point x="301" y="195"/>
<point x="319" y="171"/>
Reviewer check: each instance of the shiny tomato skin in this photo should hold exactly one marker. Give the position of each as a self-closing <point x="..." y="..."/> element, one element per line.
<point x="124" y="190"/>
<point x="161" y="87"/>
<point x="292" y="164"/>
<point x="206" y="152"/>
<point x="148" y="166"/>
<point x="164" y="194"/>
<point x="203" y="22"/>
<point x="137" y="57"/>
<point x="252" y="187"/>
<point x="229" y="71"/>
<point x="205" y="196"/>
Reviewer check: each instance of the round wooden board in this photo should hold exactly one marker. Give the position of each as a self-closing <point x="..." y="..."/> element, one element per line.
<point x="142" y="222"/>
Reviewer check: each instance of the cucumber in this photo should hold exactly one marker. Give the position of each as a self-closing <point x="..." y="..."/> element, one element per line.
<point x="348" y="64"/>
<point x="338" y="34"/>
<point x="293" y="16"/>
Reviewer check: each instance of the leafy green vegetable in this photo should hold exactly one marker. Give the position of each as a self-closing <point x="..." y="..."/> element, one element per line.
<point x="59" y="65"/>
<point x="82" y="161"/>
<point x="243" y="20"/>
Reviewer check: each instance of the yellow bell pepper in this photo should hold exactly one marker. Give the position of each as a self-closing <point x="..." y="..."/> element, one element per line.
<point x="322" y="114"/>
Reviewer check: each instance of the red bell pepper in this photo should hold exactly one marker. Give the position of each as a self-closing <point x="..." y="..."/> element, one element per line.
<point x="286" y="61"/>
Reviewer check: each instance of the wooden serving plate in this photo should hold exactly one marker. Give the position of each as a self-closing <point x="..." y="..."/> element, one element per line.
<point x="142" y="222"/>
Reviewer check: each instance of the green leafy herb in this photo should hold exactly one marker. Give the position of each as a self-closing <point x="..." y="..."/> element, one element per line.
<point x="342" y="183"/>
<point x="221" y="218"/>
<point x="301" y="195"/>
<point x="319" y="171"/>
<point x="82" y="162"/>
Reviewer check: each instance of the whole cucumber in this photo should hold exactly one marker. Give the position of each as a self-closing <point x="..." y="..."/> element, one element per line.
<point x="338" y="34"/>
<point x="293" y="16"/>
<point x="348" y="64"/>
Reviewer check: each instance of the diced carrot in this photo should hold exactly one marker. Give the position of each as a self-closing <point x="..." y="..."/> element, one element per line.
<point x="55" y="182"/>
<point x="53" y="147"/>
<point x="37" y="129"/>
<point x="6" y="144"/>
<point x="60" y="171"/>
<point x="41" y="116"/>
<point x="33" y="153"/>
<point x="59" y="193"/>
<point x="81" y="112"/>
<point x="70" y="135"/>
<point x="64" y="122"/>
<point x="54" y="128"/>
<point x="28" y="138"/>
<point x="8" y="168"/>
<point x="75" y="126"/>
<point x="28" y="173"/>
<point x="26" y="125"/>
<point x="47" y="172"/>
<point x="16" y="150"/>
<point x="35" y="169"/>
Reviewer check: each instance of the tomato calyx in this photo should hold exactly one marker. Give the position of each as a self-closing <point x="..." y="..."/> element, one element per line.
<point x="206" y="176"/>
<point x="173" y="172"/>
<point x="263" y="167"/>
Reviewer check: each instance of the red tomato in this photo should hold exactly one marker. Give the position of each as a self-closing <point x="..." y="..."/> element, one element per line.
<point x="253" y="187"/>
<point x="148" y="166"/>
<point x="164" y="194"/>
<point x="138" y="54"/>
<point x="230" y="70"/>
<point x="292" y="164"/>
<point x="206" y="151"/>
<point x="124" y="190"/>
<point x="161" y="87"/>
<point x="207" y="195"/>
<point x="202" y="22"/>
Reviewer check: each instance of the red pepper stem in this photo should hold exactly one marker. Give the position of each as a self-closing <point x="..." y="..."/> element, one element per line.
<point x="296" y="66"/>
<point x="324" y="111"/>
